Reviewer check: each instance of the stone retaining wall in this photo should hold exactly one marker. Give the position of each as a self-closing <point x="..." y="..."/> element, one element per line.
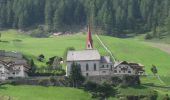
<point x="11" y="54"/>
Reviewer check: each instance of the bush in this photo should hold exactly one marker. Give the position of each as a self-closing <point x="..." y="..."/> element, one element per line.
<point x="39" y="33"/>
<point x="116" y="80"/>
<point x="100" y="91"/>
<point x="148" y="36"/>
<point x="90" y="86"/>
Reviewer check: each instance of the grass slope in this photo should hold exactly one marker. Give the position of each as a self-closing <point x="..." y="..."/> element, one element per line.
<point x="25" y="92"/>
<point x="123" y="49"/>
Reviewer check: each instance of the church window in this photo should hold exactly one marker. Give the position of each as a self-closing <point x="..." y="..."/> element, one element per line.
<point x="87" y="67"/>
<point x="107" y="66"/>
<point x="87" y="74"/>
<point x="115" y="71"/>
<point x="129" y="71"/>
<point x="94" y="66"/>
<point x="103" y="66"/>
<point x="103" y="71"/>
<point x="111" y="67"/>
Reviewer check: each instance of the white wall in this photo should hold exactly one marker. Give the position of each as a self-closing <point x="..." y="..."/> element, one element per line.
<point x="119" y="71"/>
<point x="3" y="72"/>
<point x="16" y="73"/>
<point x="91" y="71"/>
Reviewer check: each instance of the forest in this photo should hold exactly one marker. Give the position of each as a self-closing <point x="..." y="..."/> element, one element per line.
<point x="112" y="17"/>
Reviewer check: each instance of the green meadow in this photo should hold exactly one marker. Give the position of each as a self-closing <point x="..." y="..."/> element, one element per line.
<point x="129" y="49"/>
<point x="25" y="92"/>
<point x="123" y="49"/>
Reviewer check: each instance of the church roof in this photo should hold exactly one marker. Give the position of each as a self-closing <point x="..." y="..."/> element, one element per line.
<point x="105" y="59"/>
<point x="83" y="55"/>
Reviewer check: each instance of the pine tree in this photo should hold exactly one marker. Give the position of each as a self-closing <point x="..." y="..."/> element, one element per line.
<point x="167" y="23"/>
<point x="76" y="75"/>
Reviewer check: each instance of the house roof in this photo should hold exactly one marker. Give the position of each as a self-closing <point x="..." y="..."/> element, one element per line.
<point x="120" y="62"/>
<point x="83" y="55"/>
<point x="20" y="62"/>
<point x="137" y="66"/>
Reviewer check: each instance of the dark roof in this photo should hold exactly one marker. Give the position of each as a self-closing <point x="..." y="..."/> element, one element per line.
<point x="137" y="66"/>
<point x="20" y="62"/>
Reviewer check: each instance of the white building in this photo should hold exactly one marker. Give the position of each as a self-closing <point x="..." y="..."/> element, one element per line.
<point x="126" y="68"/>
<point x="14" y="69"/>
<point x="90" y="61"/>
<point x="3" y="70"/>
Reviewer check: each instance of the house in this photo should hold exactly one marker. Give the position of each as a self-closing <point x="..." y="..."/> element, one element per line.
<point x="3" y="70"/>
<point x="13" y="69"/>
<point x="18" y="68"/>
<point x="126" y="68"/>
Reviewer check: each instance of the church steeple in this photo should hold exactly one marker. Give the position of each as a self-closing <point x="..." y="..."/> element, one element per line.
<point x="89" y="41"/>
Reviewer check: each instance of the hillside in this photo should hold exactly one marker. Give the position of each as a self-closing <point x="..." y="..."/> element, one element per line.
<point x="130" y="49"/>
<point x="123" y="49"/>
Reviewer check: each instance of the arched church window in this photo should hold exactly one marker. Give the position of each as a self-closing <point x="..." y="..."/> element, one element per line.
<point x="87" y="67"/>
<point x="95" y="66"/>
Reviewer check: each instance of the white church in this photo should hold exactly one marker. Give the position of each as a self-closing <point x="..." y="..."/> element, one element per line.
<point x="93" y="64"/>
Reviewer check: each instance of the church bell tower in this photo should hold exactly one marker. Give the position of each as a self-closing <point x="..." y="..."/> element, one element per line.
<point x="89" y="41"/>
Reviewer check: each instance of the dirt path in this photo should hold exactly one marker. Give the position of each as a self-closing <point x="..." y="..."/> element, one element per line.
<point x="161" y="46"/>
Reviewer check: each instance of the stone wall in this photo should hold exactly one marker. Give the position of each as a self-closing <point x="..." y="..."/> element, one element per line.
<point x="44" y="81"/>
<point x="2" y="52"/>
<point x="11" y="54"/>
<point x="99" y="79"/>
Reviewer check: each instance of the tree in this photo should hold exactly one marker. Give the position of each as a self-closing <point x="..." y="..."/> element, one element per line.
<point x="154" y="69"/>
<point x="101" y="91"/>
<point x="166" y="97"/>
<point x="168" y="23"/>
<point x="54" y="63"/>
<point x="76" y="76"/>
<point x="0" y="36"/>
<point x="33" y="66"/>
<point x="41" y="57"/>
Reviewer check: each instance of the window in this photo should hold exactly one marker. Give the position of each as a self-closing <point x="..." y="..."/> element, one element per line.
<point x="103" y="71"/>
<point x="102" y="66"/>
<point x="87" y="67"/>
<point x="111" y="67"/>
<point x="115" y="71"/>
<point x="129" y="71"/>
<point x="107" y="66"/>
<point x="94" y="66"/>
<point x="87" y="74"/>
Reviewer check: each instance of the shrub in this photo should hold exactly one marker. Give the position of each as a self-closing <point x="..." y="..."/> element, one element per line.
<point x="148" y="36"/>
<point x="39" y="33"/>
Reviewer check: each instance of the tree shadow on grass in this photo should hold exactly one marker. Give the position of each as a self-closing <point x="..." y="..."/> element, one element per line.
<point x="3" y="87"/>
<point x="138" y="87"/>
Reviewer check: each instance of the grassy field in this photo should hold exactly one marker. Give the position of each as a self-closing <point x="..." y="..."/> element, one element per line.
<point x="123" y="49"/>
<point x="25" y="92"/>
<point x="129" y="49"/>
